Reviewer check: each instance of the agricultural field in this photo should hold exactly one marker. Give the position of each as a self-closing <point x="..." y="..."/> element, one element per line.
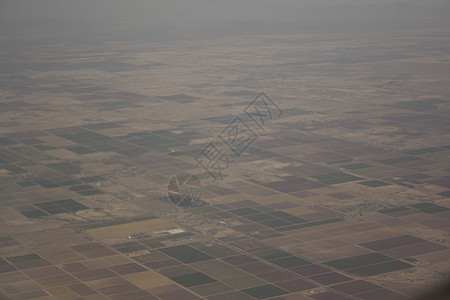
<point x="121" y="177"/>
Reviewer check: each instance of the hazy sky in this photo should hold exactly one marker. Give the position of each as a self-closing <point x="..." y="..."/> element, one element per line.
<point x="173" y="19"/>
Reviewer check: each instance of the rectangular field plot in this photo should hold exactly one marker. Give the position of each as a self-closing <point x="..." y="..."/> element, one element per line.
<point x="260" y="217"/>
<point x="211" y="289"/>
<point x="80" y="187"/>
<point x="381" y="268"/>
<point x="11" y="156"/>
<point x="45" y="147"/>
<point x="51" y="208"/>
<point x="46" y="183"/>
<point x="357" y="261"/>
<point x="150" y="257"/>
<point x="413" y="250"/>
<point x="14" y="170"/>
<point x="70" y="205"/>
<point x="245" y="211"/>
<point x="186" y="254"/>
<point x="309" y="224"/>
<point x="291" y="185"/>
<point x="148" y="280"/>
<point x="28" y="261"/>
<point x="336" y="178"/>
<point x="397" y="160"/>
<point x="59" y="255"/>
<point x="393" y="210"/>
<point x="389" y="243"/>
<point x="11" y="277"/>
<point x="90" y="192"/>
<point x="368" y="264"/>
<point x="193" y="279"/>
<point x="424" y="151"/>
<point x="6" y="241"/>
<point x="170" y="262"/>
<point x="56" y="280"/>
<point x="151" y="140"/>
<point x="266" y="216"/>
<point x="290" y="262"/>
<point x="357" y="166"/>
<point x="219" y="190"/>
<point x="217" y="250"/>
<point x="228" y="274"/>
<point x="374" y="183"/>
<point x="419" y="105"/>
<point x="34" y="214"/>
<point x="93" y="250"/>
<point x="91" y="179"/>
<point x="428" y="207"/>
<point x="177" y="271"/>
<point x="66" y="167"/>
<point x="4" y="141"/>
<point x="265" y="291"/>
<point x="5" y="266"/>
<point x="78" y="149"/>
<point x="275" y="223"/>
<point x="30" y="153"/>
<point x="270" y="254"/>
<point x="129" y="247"/>
<point x="101" y="143"/>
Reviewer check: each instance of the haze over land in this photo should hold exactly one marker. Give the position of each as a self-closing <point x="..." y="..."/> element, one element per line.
<point x="140" y="160"/>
